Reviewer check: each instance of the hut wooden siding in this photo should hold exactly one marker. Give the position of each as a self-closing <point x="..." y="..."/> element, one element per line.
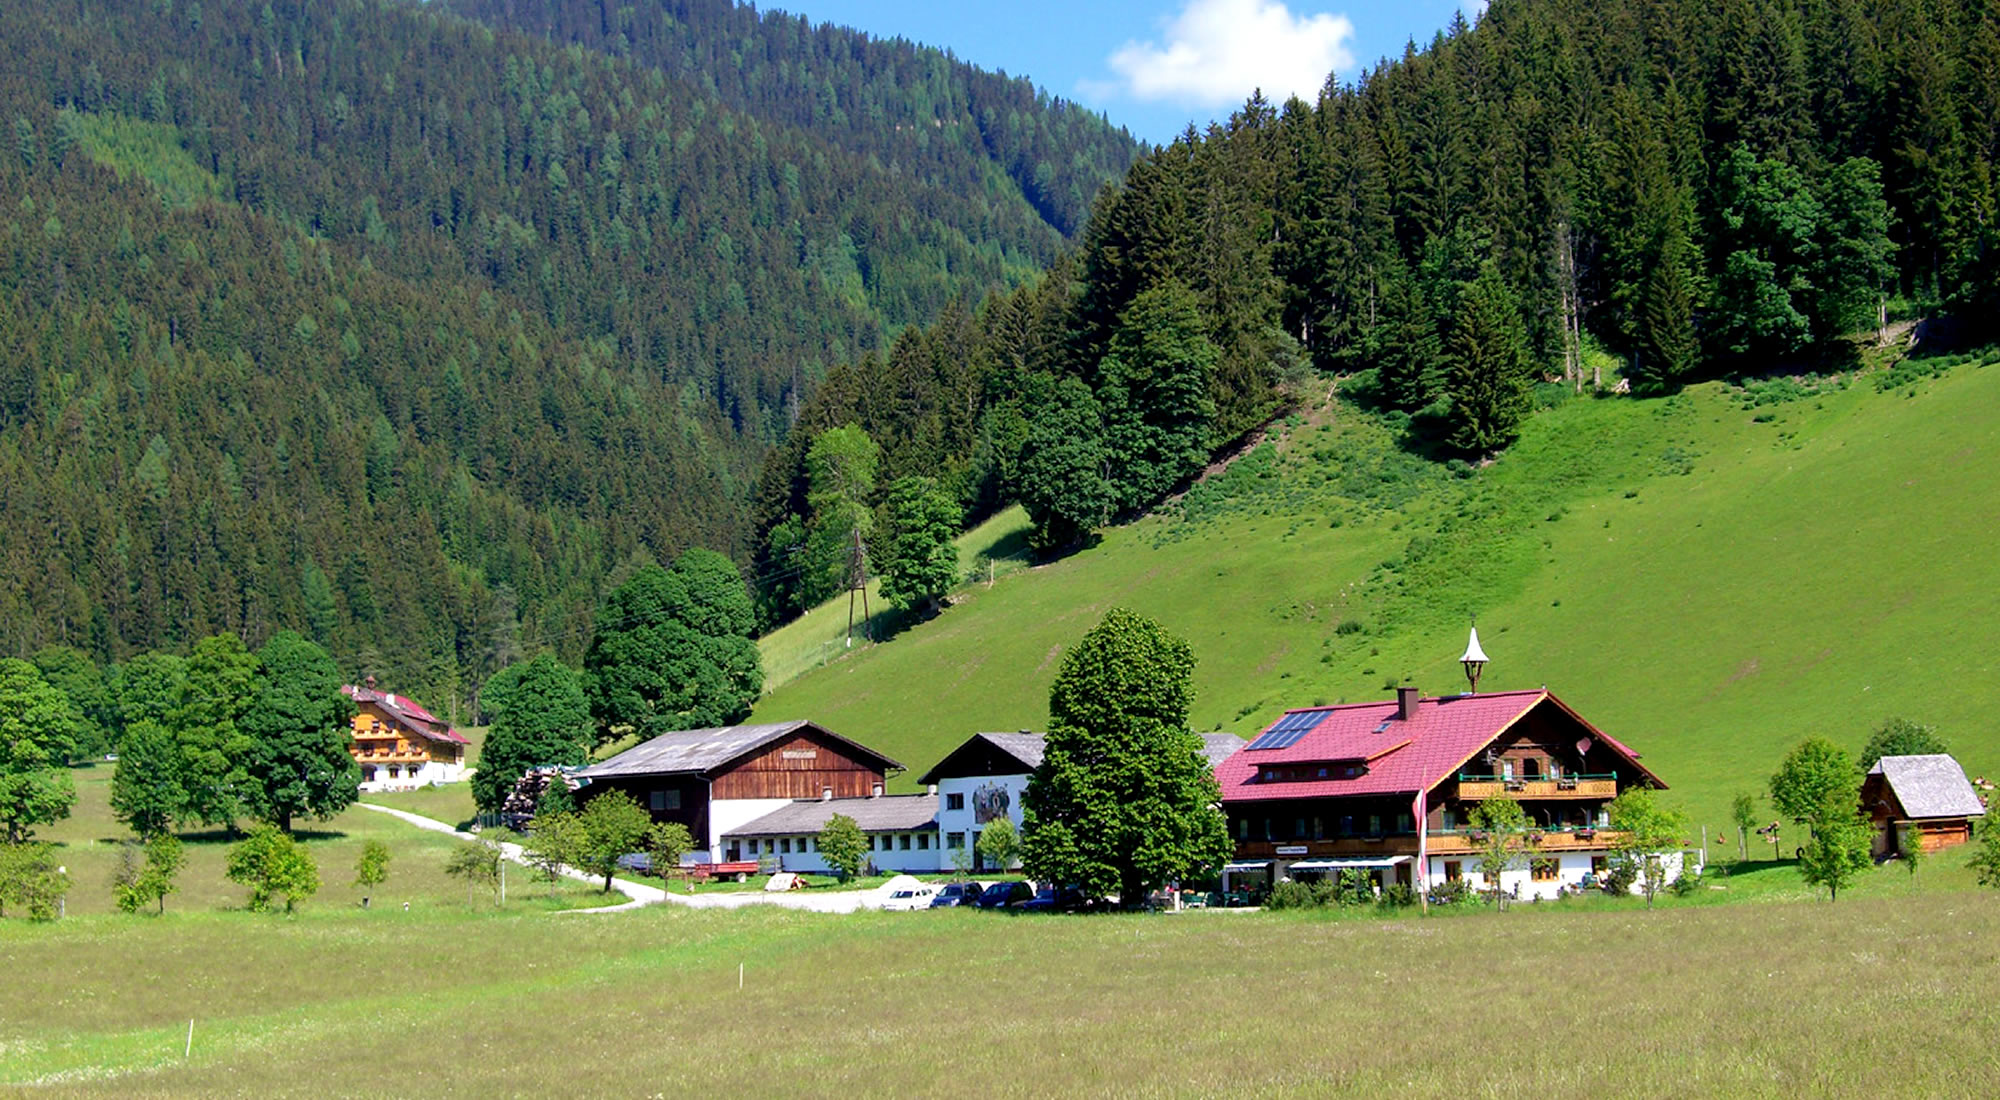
<point x="802" y="766"/>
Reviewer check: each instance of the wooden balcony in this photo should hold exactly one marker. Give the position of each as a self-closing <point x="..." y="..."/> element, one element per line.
<point x="1455" y="842"/>
<point x="1478" y="788"/>
<point x="1466" y="842"/>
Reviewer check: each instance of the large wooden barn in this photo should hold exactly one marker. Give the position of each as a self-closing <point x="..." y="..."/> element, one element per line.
<point x="716" y="780"/>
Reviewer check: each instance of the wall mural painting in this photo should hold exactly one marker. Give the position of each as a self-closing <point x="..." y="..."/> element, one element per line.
<point x="990" y="802"/>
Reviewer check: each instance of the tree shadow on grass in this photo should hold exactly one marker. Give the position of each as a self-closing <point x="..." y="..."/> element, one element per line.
<point x="224" y="836"/>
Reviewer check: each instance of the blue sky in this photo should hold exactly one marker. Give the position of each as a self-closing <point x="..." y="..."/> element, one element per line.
<point x="1153" y="65"/>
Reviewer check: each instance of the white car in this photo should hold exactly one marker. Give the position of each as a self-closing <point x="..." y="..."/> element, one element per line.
<point x="909" y="898"/>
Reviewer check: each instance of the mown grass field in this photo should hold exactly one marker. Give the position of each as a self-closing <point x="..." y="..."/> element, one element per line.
<point x="1707" y="578"/>
<point x="89" y="848"/>
<point x="1880" y="994"/>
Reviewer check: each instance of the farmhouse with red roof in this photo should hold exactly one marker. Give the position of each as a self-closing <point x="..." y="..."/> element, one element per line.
<point x="399" y="744"/>
<point x="1387" y="788"/>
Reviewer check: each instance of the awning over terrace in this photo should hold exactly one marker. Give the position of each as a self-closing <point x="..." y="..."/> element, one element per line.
<point x="1242" y="866"/>
<point x="1347" y="864"/>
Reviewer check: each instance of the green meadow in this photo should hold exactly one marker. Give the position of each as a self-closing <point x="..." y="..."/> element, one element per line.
<point x="89" y="849"/>
<point x="1709" y="577"/>
<point x="1873" y="995"/>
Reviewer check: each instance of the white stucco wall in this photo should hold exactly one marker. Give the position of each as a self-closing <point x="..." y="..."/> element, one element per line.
<point x="804" y="854"/>
<point x="728" y="814"/>
<point x="1571" y="868"/>
<point x="994" y="789"/>
<point x="430" y="772"/>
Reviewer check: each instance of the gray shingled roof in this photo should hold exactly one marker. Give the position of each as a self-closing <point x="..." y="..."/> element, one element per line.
<point x="889" y="813"/>
<point x="1930" y="786"/>
<point x="704" y="750"/>
<point x="1028" y="747"/>
<point x="1218" y="747"/>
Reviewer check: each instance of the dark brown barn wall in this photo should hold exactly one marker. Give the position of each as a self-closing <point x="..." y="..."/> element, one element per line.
<point x="798" y="767"/>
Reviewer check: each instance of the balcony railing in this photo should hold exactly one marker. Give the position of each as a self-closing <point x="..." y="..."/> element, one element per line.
<point x="1570" y="839"/>
<point x="1477" y="787"/>
<point x="1437" y="842"/>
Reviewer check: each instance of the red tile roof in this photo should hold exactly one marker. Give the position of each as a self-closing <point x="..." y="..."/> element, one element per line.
<point x="1403" y="756"/>
<point x="405" y="713"/>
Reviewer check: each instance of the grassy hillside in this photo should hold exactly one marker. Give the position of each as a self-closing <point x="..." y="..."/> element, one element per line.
<point x="1710" y="577"/>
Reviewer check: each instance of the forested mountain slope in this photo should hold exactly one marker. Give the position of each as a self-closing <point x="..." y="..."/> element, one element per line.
<point x="371" y="320"/>
<point x="1625" y="192"/>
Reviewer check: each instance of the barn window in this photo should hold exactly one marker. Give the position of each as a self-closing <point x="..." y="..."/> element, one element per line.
<point x="1402" y="823"/>
<point x="1243" y="828"/>
<point x="906" y="842"/>
<point x="785" y="845"/>
<point x="954" y="801"/>
<point x="1374" y="824"/>
<point x="666" y="800"/>
<point x="923" y="842"/>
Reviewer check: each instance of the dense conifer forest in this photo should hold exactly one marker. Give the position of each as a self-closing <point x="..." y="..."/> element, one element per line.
<point x="411" y="331"/>
<point x="1569" y="196"/>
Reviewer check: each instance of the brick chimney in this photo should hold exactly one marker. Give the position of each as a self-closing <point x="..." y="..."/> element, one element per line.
<point x="1406" y="702"/>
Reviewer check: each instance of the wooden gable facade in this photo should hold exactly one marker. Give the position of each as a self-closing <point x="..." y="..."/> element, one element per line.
<point x="804" y="765"/>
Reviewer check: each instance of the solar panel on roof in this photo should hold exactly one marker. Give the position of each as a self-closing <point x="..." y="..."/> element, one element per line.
<point x="1288" y="730"/>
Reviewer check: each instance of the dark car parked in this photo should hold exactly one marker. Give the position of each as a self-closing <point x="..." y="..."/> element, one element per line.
<point x="1000" y="895"/>
<point x="954" y="894"/>
<point x="1056" y="899"/>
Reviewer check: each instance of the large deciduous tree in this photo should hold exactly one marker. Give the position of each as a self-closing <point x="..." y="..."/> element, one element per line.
<point x="146" y="790"/>
<point x="215" y="752"/>
<point x="72" y="672"/>
<point x="37" y="730"/>
<point x="1124" y="800"/>
<point x="297" y="724"/>
<point x="921" y="563"/>
<point x="547" y="721"/>
<point x="673" y="650"/>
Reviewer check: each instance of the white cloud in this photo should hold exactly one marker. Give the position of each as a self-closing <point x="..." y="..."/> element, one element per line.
<point x="1216" y="52"/>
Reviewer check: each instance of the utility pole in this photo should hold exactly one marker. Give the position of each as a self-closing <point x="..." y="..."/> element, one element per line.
<point x="857" y="581"/>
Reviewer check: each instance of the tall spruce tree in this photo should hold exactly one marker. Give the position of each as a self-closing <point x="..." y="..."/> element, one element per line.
<point x="1155" y="392"/>
<point x="1491" y="376"/>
